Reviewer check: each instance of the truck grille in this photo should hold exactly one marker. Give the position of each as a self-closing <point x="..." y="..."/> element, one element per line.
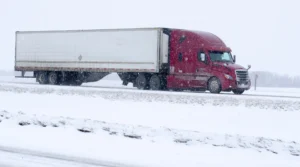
<point x="242" y="75"/>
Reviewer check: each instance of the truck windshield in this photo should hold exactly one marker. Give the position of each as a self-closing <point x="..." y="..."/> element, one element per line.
<point x="220" y="56"/>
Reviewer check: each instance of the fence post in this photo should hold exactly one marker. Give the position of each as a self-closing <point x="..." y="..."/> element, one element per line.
<point x="255" y="81"/>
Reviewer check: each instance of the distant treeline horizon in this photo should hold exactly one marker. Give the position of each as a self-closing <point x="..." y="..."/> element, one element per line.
<point x="271" y="79"/>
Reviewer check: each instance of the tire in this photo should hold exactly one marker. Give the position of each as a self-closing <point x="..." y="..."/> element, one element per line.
<point x="238" y="91"/>
<point x="198" y="90"/>
<point x="141" y="82"/>
<point x="65" y="83"/>
<point x="155" y="82"/>
<point x="71" y="82"/>
<point x="214" y="85"/>
<point x="76" y="83"/>
<point x="71" y="79"/>
<point x="53" y="78"/>
<point x="43" y="78"/>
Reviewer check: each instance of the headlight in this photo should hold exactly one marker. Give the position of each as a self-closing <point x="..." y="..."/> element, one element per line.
<point x="228" y="76"/>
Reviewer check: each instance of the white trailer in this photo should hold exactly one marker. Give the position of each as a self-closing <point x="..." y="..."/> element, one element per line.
<point x="88" y="55"/>
<point x="137" y="50"/>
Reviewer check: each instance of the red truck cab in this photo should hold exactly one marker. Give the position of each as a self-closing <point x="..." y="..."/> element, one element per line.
<point x="201" y="60"/>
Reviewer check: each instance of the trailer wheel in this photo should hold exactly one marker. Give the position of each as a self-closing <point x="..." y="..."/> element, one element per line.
<point x="141" y="81"/>
<point x="214" y="85"/>
<point x="43" y="78"/>
<point x="238" y="91"/>
<point x="155" y="82"/>
<point x="53" y="78"/>
<point x="76" y="82"/>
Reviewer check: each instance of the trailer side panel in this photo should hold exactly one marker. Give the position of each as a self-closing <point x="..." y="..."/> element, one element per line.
<point x="134" y="50"/>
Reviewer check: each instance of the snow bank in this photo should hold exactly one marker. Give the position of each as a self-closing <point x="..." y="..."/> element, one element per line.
<point x="159" y="135"/>
<point x="145" y="146"/>
<point x="150" y="128"/>
<point x="207" y="114"/>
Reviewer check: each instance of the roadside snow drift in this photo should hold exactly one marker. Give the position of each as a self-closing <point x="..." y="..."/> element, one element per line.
<point x="96" y="127"/>
<point x="149" y="128"/>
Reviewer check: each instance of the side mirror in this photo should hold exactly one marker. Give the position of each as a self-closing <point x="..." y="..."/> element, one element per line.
<point x="234" y="58"/>
<point x="249" y="66"/>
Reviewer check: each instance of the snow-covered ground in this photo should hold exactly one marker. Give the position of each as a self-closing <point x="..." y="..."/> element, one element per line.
<point x="104" y="121"/>
<point x="152" y="148"/>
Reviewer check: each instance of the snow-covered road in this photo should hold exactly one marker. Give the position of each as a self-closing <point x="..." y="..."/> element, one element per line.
<point x="16" y="157"/>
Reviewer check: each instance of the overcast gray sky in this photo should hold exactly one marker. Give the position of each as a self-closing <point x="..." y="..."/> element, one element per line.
<point x="263" y="33"/>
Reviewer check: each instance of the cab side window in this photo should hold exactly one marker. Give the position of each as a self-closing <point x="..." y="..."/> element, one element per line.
<point x="201" y="57"/>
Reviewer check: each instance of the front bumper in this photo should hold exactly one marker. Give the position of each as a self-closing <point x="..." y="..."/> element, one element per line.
<point x="228" y="85"/>
<point x="246" y="85"/>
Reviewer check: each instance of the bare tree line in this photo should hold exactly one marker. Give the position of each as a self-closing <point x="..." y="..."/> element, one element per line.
<point x="270" y="79"/>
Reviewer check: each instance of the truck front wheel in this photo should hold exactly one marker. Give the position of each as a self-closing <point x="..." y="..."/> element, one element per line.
<point x="214" y="85"/>
<point x="238" y="91"/>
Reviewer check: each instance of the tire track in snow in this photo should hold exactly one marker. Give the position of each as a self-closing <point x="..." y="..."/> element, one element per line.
<point x="37" y="157"/>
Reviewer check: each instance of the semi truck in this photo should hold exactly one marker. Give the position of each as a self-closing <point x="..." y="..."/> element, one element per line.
<point x="149" y="58"/>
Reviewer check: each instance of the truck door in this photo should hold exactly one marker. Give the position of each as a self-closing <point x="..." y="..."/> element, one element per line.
<point x="201" y="70"/>
<point x="183" y="69"/>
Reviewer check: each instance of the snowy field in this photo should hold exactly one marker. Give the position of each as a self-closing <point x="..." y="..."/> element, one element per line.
<point x="108" y="122"/>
